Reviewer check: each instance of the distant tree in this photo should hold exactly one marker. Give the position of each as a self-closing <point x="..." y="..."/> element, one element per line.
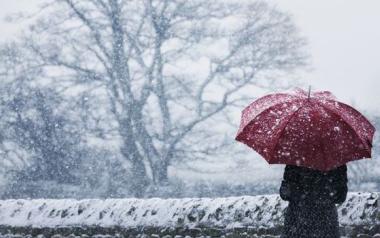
<point x="51" y="144"/>
<point x="44" y="145"/>
<point x="39" y="144"/>
<point x="141" y="57"/>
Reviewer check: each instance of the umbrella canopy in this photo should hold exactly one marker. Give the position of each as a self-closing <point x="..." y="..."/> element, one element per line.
<point x="313" y="131"/>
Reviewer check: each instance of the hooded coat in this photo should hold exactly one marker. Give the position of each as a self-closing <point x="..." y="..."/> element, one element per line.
<point x="312" y="197"/>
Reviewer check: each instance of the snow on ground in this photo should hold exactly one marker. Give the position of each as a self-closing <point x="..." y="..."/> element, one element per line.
<point x="231" y="212"/>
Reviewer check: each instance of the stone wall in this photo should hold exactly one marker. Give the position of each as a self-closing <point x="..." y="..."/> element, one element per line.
<point x="247" y="216"/>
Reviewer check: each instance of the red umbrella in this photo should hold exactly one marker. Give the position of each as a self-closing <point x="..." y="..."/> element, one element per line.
<point x="313" y="131"/>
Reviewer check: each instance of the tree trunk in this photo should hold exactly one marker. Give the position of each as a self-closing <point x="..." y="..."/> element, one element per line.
<point x="140" y="179"/>
<point x="161" y="174"/>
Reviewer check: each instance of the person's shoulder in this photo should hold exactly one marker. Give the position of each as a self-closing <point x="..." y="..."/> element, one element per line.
<point x="338" y="170"/>
<point x="290" y="167"/>
<point x="342" y="168"/>
<point x="301" y="171"/>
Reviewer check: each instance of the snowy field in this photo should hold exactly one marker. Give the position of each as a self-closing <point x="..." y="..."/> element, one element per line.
<point x="216" y="217"/>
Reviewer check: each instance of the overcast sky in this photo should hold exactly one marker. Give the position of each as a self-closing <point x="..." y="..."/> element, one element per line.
<point x="344" y="38"/>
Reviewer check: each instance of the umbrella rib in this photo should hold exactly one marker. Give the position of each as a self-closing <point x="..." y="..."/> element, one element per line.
<point x="283" y="129"/>
<point x="356" y="111"/>
<point x="258" y="114"/>
<point x="348" y="124"/>
<point x="323" y="149"/>
<point x="264" y="110"/>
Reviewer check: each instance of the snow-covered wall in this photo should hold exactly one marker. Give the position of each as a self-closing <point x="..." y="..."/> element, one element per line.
<point x="194" y="216"/>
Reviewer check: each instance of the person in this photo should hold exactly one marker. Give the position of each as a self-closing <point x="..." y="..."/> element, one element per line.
<point x="312" y="197"/>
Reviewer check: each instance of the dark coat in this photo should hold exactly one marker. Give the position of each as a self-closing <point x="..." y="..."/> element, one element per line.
<point x="312" y="196"/>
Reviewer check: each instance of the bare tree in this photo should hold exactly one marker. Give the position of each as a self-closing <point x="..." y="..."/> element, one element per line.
<point x="13" y="156"/>
<point x="40" y="143"/>
<point x="164" y="67"/>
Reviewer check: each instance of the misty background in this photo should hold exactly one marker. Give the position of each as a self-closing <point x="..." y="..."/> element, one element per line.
<point x="70" y="126"/>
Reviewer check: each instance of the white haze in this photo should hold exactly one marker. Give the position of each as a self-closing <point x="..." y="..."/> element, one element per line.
<point x="344" y="44"/>
<point x="343" y="37"/>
